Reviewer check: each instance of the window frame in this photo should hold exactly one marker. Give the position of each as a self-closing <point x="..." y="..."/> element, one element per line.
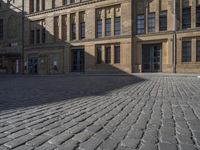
<point x="117" y="25"/>
<point x="99" y="54"/>
<point x="108" y="54"/>
<point x="152" y="22"/>
<point x="163" y="20"/>
<point x="99" y="28"/>
<point x="117" y="54"/>
<point x="186" y="17"/>
<point x="108" y="27"/>
<point x="140" y="26"/>
<point x="186" y="49"/>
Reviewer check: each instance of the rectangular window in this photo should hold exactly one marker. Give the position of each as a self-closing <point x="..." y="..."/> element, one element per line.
<point x="186" y="51"/>
<point x="186" y="18"/>
<point x="38" y="36"/>
<point x="151" y="22"/>
<point x="32" y="37"/>
<point x="37" y="5"/>
<point x="117" y="55"/>
<point x="117" y="25"/>
<point x="140" y="24"/>
<point x="65" y="2"/>
<point x="73" y="34"/>
<point x="99" y="28"/>
<point x="198" y="50"/>
<point x="43" y="35"/>
<point x="53" y="4"/>
<point x="43" y="4"/>
<point x="108" y="54"/>
<point x="163" y="21"/>
<point x="198" y="16"/>
<point x="31" y="6"/>
<point x="82" y="30"/>
<point x="72" y="1"/>
<point x="99" y="54"/>
<point x="108" y="27"/>
<point x="1" y="29"/>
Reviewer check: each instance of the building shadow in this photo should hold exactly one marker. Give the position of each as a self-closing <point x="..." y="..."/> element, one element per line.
<point x="84" y="76"/>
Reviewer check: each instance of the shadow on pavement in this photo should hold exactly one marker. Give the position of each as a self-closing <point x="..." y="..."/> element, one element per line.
<point x="25" y="91"/>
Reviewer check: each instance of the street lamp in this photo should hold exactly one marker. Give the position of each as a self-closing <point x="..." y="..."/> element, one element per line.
<point x="22" y="35"/>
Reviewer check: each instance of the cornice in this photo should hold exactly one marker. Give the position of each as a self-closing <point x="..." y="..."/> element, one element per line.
<point x="63" y="7"/>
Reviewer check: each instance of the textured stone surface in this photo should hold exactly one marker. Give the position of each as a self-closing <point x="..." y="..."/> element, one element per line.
<point x="157" y="112"/>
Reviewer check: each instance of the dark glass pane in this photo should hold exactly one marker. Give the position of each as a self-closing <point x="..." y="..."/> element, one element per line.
<point x="186" y="18"/>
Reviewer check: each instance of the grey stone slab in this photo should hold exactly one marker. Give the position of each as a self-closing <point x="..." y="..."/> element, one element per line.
<point x="167" y="146"/>
<point x="39" y="140"/>
<point x="59" y="139"/>
<point x="131" y="143"/>
<point x="19" y="141"/>
<point x="91" y="144"/>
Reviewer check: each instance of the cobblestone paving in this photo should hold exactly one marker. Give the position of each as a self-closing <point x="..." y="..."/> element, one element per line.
<point x="154" y="112"/>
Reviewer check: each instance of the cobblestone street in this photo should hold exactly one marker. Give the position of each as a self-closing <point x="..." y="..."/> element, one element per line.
<point x="155" y="112"/>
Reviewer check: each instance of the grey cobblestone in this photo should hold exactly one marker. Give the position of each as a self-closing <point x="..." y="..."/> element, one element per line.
<point x="159" y="112"/>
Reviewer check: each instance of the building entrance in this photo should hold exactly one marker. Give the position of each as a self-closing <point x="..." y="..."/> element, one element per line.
<point x="77" y="60"/>
<point x="33" y="65"/>
<point x="152" y="58"/>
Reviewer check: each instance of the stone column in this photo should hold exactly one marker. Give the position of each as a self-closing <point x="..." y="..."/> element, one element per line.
<point x="60" y="27"/>
<point x="68" y="27"/>
<point x="35" y="5"/>
<point x="40" y="5"/>
<point x="179" y="51"/>
<point x="157" y="18"/>
<point x="193" y="52"/>
<point x="103" y="22"/>
<point x="103" y="54"/>
<point x="112" y="53"/>
<point x="193" y="14"/>
<point x="146" y="18"/>
<point x="180" y="14"/>
<point x="77" y="26"/>
<point x="112" y="21"/>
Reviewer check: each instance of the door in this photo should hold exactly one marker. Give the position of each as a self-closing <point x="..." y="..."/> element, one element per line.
<point x="33" y="65"/>
<point x="152" y="58"/>
<point x="78" y="58"/>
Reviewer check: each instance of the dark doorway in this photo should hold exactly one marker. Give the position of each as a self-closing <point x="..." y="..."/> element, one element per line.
<point x="152" y="58"/>
<point x="33" y="65"/>
<point x="78" y="60"/>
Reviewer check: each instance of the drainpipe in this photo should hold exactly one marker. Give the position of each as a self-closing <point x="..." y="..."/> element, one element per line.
<point x="22" y="53"/>
<point x="174" y="36"/>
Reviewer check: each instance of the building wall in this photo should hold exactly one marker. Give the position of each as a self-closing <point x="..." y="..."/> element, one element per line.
<point x="166" y="37"/>
<point x="57" y="23"/>
<point x="55" y="19"/>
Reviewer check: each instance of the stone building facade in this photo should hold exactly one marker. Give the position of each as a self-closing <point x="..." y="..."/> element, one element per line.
<point x="103" y="36"/>
<point x="10" y="37"/>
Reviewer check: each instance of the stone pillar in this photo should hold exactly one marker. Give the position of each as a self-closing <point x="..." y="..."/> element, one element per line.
<point x="146" y="18"/>
<point x="77" y="26"/>
<point x="35" y="5"/>
<point x="103" y="22"/>
<point x="112" y="21"/>
<point x="68" y="27"/>
<point x="157" y="14"/>
<point x="179" y="51"/>
<point x="103" y="54"/>
<point x="112" y="53"/>
<point x="193" y="14"/>
<point x="40" y="5"/>
<point x="193" y="52"/>
<point x="60" y="27"/>
<point x="181" y="9"/>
